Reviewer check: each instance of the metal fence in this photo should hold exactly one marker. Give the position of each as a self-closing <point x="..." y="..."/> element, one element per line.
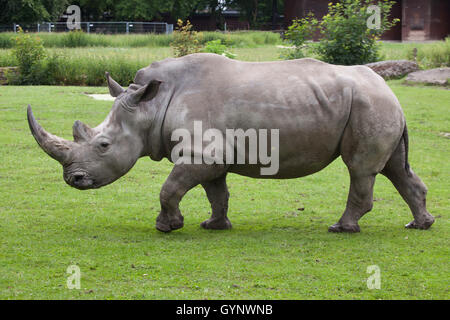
<point x="94" y="27"/>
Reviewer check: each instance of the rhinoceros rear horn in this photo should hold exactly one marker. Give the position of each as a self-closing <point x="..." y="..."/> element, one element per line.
<point x="81" y="132"/>
<point x="54" y="146"/>
<point x="114" y="88"/>
<point x="144" y="93"/>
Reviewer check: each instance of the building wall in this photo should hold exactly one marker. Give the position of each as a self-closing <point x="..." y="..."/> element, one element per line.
<point x="440" y="19"/>
<point x="416" y="20"/>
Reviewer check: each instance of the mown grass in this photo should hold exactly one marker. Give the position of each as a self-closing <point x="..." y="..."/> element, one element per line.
<point x="274" y="251"/>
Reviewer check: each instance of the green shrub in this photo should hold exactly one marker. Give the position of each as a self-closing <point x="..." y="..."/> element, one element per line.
<point x="29" y="54"/>
<point x="185" y="40"/>
<point x="216" y="46"/>
<point x="297" y="36"/>
<point x="345" y="37"/>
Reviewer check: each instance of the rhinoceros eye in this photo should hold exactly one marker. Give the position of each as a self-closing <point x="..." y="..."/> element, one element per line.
<point x="104" y="145"/>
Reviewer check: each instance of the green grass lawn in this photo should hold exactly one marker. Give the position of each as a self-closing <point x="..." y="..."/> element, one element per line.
<point x="274" y="250"/>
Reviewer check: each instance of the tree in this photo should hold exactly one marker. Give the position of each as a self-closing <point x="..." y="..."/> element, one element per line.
<point x="30" y="11"/>
<point x="257" y="12"/>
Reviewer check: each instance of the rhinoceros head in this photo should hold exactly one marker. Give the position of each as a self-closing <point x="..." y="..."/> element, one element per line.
<point x="101" y="155"/>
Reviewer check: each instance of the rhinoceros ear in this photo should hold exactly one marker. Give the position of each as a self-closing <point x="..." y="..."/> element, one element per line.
<point x="81" y="132"/>
<point x="114" y="88"/>
<point x="144" y="93"/>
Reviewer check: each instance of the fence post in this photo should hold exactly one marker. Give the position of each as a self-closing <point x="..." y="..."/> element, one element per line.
<point x="15" y="27"/>
<point x="49" y="27"/>
<point x="38" y="25"/>
<point x="88" y="28"/>
<point x="128" y="27"/>
<point x="169" y="28"/>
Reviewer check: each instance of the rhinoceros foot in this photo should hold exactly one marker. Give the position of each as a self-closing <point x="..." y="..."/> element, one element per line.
<point x="165" y="225"/>
<point x="350" y="228"/>
<point x="216" y="224"/>
<point x="423" y="225"/>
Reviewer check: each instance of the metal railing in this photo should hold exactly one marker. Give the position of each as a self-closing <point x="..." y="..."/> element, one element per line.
<point x="94" y="27"/>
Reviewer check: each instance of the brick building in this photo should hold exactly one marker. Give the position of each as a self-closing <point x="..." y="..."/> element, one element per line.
<point x="419" y="19"/>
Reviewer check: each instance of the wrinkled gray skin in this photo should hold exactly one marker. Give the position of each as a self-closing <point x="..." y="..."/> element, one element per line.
<point x="322" y="112"/>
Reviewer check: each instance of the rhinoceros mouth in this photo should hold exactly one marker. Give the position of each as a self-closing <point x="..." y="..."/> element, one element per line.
<point x="80" y="180"/>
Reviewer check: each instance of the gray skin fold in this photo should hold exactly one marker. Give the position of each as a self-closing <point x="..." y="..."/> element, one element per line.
<point x="322" y="111"/>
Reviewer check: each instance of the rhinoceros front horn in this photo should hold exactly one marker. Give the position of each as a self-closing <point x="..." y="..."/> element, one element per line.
<point x="114" y="88"/>
<point x="54" y="146"/>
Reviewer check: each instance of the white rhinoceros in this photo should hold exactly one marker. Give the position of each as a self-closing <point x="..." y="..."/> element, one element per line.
<point x="320" y="112"/>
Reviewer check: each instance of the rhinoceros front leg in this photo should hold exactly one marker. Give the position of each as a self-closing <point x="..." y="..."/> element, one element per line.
<point x="218" y="195"/>
<point x="182" y="178"/>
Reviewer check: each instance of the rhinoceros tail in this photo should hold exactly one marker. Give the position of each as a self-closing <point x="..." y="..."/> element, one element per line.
<point x="406" y="143"/>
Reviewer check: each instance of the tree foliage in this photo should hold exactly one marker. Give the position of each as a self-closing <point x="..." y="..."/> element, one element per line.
<point x="257" y="12"/>
<point x="31" y="11"/>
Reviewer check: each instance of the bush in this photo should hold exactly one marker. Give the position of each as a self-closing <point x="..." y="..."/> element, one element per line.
<point x="29" y="53"/>
<point x="297" y="37"/>
<point x="216" y="46"/>
<point x="345" y="37"/>
<point x="185" y="40"/>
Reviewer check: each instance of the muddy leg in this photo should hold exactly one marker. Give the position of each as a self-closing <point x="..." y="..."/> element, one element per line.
<point x="359" y="202"/>
<point x="410" y="187"/>
<point x="218" y="195"/>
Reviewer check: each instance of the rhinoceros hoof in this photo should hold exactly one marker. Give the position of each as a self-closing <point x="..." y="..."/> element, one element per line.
<point x="351" y="228"/>
<point x="173" y="224"/>
<point x="423" y="226"/>
<point x="216" y="224"/>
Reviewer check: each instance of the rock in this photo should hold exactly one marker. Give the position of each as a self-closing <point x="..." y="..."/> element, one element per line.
<point x="438" y="76"/>
<point x="393" y="68"/>
<point x="4" y="71"/>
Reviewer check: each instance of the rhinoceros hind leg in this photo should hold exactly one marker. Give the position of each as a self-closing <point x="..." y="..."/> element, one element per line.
<point x="410" y="187"/>
<point x="218" y="195"/>
<point x="359" y="202"/>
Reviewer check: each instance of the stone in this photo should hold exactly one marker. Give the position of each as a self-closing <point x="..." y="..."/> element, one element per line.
<point x="391" y="69"/>
<point x="438" y="76"/>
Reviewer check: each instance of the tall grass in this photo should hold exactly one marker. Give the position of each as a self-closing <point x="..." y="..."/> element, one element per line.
<point x="80" y="39"/>
<point x="429" y="54"/>
<point x="86" y="66"/>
